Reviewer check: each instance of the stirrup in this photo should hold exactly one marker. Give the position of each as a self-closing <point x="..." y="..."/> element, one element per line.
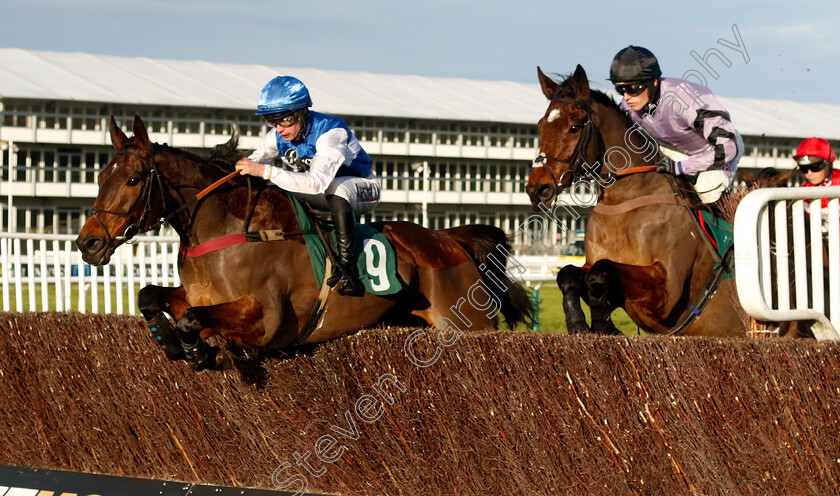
<point x="349" y="285"/>
<point x="335" y="276"/>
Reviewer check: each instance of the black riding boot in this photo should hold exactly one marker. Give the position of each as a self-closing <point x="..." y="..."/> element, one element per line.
<point x="344" y="278"/>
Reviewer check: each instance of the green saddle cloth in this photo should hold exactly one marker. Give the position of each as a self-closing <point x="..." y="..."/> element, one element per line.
<point x="722" y="234"/>
<point x="376" y="260"/>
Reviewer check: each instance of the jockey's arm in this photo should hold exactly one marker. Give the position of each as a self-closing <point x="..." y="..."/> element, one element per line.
<point x="331" y="151"/>
<point x="266" y="150"/>
<point x="713" y="123"/>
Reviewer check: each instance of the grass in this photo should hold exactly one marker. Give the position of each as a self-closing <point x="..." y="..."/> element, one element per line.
<point x="74" y="299"/>
<point x="552" y="318"/>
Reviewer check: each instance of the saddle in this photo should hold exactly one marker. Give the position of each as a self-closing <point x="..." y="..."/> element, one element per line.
<point x="376" y="259"/>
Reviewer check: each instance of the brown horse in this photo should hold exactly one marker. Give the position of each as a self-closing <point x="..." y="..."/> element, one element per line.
<point x="643" y="251"/>
<point x="259" y="295"/>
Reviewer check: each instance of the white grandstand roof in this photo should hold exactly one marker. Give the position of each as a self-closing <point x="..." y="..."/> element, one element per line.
<point x="137" y="80"/>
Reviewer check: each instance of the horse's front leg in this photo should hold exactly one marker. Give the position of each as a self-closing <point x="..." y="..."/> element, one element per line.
<point x="239" y="321"/>
<point x="604" y="296"/>
<point x="570" y="280"/>
<point x="640" y="289"/>
<point x="162" y="307"/>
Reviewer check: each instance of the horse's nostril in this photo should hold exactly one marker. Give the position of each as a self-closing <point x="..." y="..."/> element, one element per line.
<point x="544" y="192"/>
<point x="90" y="244"/>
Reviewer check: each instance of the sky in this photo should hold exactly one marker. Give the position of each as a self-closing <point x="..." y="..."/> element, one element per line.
<point x="767" y="49"/>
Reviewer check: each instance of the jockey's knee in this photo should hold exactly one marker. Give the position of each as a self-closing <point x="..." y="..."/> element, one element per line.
<point x="362" y="193"/>
<point x="710" y="185"/>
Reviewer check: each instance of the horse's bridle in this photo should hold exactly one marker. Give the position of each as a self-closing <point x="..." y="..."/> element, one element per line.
<point x="588" y="131"/>
<point x="148" y="185"/>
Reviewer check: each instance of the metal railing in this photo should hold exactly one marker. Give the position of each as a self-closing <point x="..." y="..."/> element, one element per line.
<point x="778" y="277"/>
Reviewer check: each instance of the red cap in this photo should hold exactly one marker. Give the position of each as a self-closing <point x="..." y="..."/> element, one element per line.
<point x="815" y="147"/>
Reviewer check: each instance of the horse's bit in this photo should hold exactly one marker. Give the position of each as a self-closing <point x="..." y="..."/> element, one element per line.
<point x="134" y="229"/>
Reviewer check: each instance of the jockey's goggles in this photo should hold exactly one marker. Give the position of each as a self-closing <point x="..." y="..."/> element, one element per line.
<point x="287" y="120"/>
<point x="632" y="89"/>
<point x="810" y="163"/>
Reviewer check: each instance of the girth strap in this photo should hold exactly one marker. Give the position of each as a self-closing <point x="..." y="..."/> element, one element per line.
<point x="316" y="315"/>
<point x="695" y="308"/>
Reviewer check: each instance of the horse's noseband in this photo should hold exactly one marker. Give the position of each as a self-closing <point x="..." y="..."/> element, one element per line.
<point x="149" y="180"/>
<point x="588" y="132"/>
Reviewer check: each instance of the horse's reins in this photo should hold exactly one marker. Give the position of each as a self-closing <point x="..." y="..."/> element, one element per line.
<point x="588" y="131"/>
<point x="201" y="194"/>
<point x="136" y="228"/>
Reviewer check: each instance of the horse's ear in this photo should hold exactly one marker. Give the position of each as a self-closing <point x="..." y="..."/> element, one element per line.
<point x="233" y="142"/>
<point x="783" y="178"/>
<point x="580" y="83"/>
<point x="777" y="179"/>
<point x="769" y="177"/>
<point x="549" y="87"/>
<point x="141" y="137"/>
<point x="746" y="177"/>
<point x="118" y="137"/>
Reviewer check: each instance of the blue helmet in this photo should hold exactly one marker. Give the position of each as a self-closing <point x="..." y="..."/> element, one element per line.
<point x="283" y="95"/>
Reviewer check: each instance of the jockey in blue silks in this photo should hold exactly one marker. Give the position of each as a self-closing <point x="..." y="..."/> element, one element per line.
<point x="322" y="164"/>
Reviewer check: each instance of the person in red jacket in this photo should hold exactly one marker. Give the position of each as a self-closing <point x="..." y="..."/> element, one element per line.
<point x="815" y="160"/>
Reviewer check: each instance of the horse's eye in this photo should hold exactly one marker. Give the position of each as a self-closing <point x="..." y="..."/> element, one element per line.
<point x="575" y="128"/>
<point x="133" y="181"/>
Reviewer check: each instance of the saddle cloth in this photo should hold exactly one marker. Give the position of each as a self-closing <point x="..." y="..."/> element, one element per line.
<point x="376" y="260"/>
<point x="721" y="233"/>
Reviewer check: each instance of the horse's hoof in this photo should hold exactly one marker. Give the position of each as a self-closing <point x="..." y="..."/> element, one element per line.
<point x="173" y="352"/>
<point x="200" y="356"/>
<point x="578" y="329"/>
<point x="163" y="330"/>
<point x="605" y="329"/>
<point x="223" y="360"/>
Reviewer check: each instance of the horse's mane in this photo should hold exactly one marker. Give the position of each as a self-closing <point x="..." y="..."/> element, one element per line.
<point x="225" y="155"/>
<point x="565" y="90"/>
<point x="222" y="157"/>
<point x="192" y="157"/>
<point x="605" y="100"/>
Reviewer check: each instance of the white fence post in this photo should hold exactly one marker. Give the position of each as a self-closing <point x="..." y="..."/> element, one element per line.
<point x="51" y="265"/>
<point x="6" y="272"/>
<point x="756" y="246"/>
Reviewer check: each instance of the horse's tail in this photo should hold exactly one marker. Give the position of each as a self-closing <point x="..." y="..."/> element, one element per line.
<point x="489" y="248"/>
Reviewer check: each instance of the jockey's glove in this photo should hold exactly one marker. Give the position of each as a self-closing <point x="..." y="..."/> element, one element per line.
<point x="666" y="165"/>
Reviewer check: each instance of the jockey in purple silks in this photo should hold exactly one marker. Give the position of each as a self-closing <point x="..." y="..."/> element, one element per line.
<point x="696" y="131"/>
<point x="323" y="164"/>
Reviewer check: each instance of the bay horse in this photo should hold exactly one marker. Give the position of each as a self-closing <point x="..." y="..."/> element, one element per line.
<point x="643" y="251"/>
<point x="259" y="295"/>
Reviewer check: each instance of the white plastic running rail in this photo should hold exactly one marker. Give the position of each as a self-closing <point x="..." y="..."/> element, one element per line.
<point x="763" y="263"/>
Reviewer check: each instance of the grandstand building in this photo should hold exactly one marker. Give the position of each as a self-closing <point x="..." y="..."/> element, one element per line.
<point x="448" y="151"/>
